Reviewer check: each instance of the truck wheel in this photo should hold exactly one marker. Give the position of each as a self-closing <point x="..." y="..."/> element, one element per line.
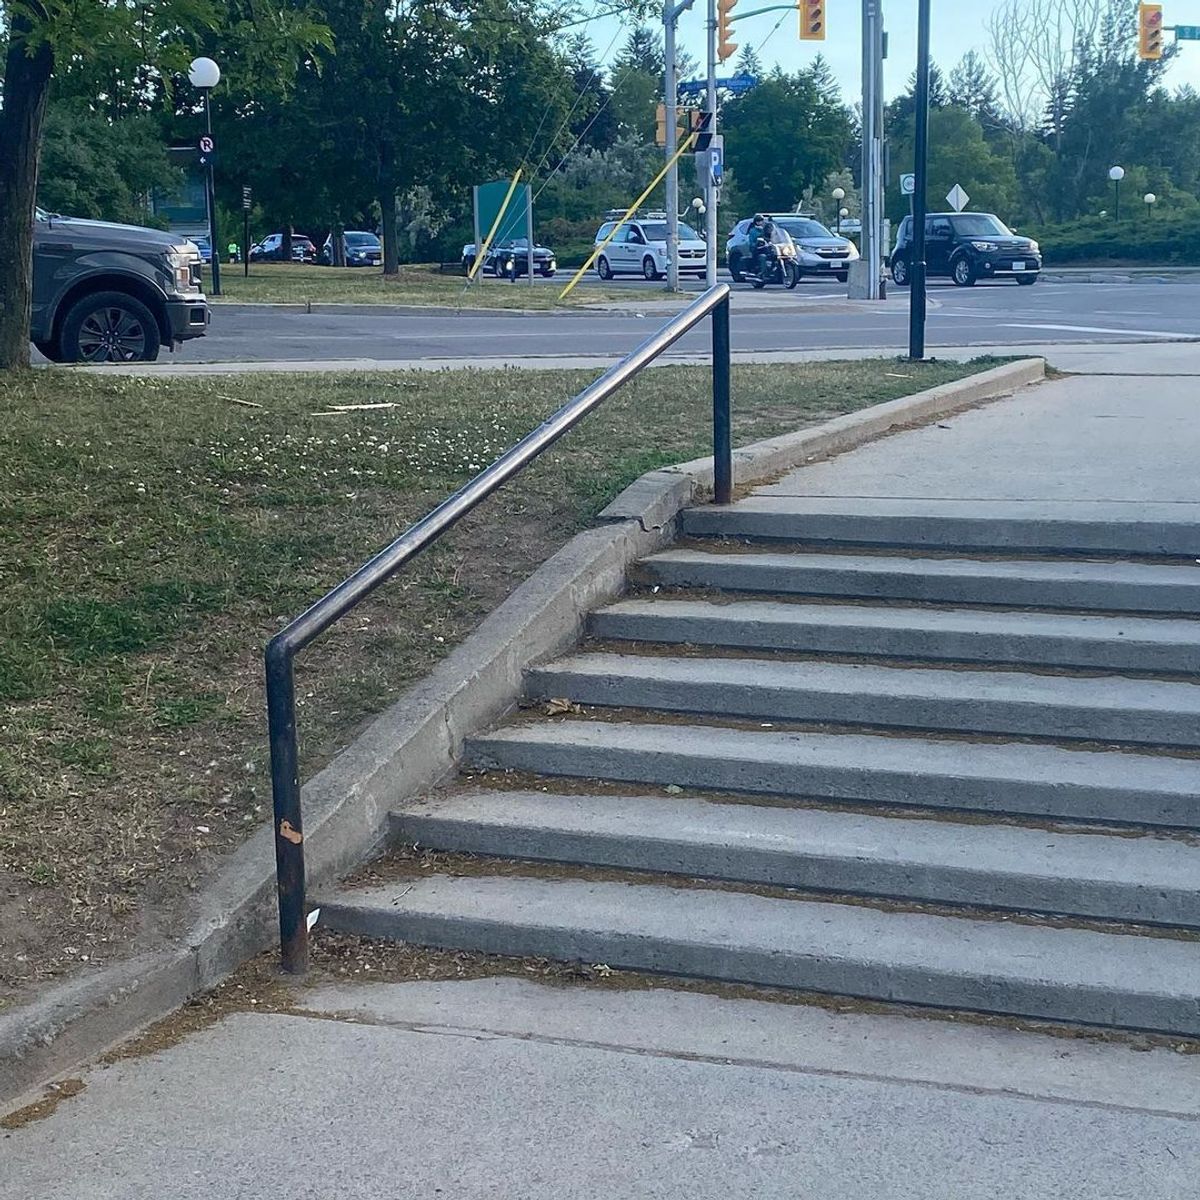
<point x="109" y="327"/>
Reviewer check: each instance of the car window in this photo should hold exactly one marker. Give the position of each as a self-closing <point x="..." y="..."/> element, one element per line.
<point x="804" y="228"/>
<point x="604" y="231"/>
<point x="979" y="225"/>
<point x="361" y="239"/>
<point x="939" y="228"/>
<point x="635" y="236"/>
<point x="739" y="230"/>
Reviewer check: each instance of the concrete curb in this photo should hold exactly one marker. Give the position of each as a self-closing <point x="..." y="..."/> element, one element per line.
<point x="417" y="741"/>
<point x="655" y="498"/>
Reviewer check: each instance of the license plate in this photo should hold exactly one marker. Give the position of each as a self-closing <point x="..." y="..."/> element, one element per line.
<point x="1018" y="266"/>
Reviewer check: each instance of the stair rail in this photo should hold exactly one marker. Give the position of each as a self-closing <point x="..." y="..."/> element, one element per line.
<point x="281" y="650"/>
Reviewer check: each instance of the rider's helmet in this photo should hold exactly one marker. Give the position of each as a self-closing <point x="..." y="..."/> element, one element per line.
<point x="759" y="219"/>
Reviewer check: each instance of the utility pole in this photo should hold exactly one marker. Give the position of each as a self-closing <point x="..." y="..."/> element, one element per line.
<point x="710" y="189"/>
<point x="671" y="15"/>
<point x="872" y="146"/>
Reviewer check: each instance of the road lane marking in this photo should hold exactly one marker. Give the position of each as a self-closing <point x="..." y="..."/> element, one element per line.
<point x="1096" y="329"/>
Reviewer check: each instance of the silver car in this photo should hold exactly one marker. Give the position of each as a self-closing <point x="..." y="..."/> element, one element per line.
<point x="818" y="252"/>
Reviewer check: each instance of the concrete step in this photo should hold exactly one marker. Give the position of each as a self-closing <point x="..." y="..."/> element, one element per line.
<point x="1103" y="586"/>
<point x="1030" y="638"/>
<point x="1022" y="780"/>
<point x="1149" y="880"/>
<point x="1048" y="526"/>
<point x="991" y="966"/>
<point x="1108" y="708"/>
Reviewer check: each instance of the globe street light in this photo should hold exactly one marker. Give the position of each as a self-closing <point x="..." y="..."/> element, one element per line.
<point x="204" y="74"/>
<point x="839" y="194"/>
<point x="1116" y="174"/>
<point x="1149" y="200"/>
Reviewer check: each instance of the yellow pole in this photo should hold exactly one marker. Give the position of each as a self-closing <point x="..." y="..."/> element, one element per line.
<point x="629" y="213"/>
<point x="487" y="241"/>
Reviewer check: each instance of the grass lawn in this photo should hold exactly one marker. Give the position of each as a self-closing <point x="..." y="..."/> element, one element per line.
<point x="295" y="283"/>
<point x="155" y="532"/>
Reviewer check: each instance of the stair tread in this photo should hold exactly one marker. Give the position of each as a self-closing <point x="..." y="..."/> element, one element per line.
<point x="1164" y="631"/>
<point x="968" y="685"/>
<point x="994" y="965"/>
<point x="783" y="497"/>
<point x="1149" y="862"/>
<point x="1041" y="570"/>
<point x="1025" y="779"/>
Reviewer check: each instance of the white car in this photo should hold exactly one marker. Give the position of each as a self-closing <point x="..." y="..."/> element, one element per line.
<point x="640" y="248"/>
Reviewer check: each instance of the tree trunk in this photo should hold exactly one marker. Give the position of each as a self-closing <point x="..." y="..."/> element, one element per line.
<point x="337" y="244"/>
<point x="26" y="87"/>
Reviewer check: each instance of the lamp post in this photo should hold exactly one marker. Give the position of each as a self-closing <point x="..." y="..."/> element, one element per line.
<point x="839" y="194"/>
<point x="204" y="74"/>
<point x="1116" y="174"/>
<point x="1149" y="200"/>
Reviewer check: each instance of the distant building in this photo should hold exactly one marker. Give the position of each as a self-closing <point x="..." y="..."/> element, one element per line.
<point x="185" y="208"/>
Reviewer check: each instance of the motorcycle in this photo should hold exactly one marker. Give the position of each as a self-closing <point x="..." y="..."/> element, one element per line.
<point x="775" y="262"/>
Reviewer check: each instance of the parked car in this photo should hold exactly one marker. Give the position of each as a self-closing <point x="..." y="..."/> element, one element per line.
<point x="112" y="293"/>
<point x="204" y="246"/>
<point x="967" y="247"/>
<point x="818" y="252"/>
<point x="270" y="249"/>
<point x="363" y="249"/>
<point x="640" y="248"/>
<point x="511" y="258"/>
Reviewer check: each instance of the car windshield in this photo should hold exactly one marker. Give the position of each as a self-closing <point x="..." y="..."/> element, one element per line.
<point x="656" y="231"/>
<point x="514" y="244"/>
<point x="361" y="239"/>
<point x="804" y="228"/>
<point x="40" y="214"/>
<point x="979" y="225"/>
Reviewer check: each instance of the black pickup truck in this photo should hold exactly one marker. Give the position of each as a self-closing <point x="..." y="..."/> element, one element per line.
<point x="112" y="293"/>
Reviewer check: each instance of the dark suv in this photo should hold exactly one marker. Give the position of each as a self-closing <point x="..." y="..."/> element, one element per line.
<point x="967" y="247"/>
<point x="112" y="293"/>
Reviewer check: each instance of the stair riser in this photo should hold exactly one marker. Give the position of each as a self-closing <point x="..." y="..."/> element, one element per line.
<point x="876" y="711"/>
<point x="924" y="645"/>
<point x="732" y="964"/>
<point x="1153" y="539"/>
<point x="860" y="785"/>
<point x="741" y="574"/>
<point x="869" y="878"/>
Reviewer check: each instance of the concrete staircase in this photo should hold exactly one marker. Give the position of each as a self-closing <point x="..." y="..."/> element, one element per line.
<point x="911" y="751"/>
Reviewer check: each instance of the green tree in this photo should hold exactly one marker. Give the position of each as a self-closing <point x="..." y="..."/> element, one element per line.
<point x="144" y="44"/>
<point x="784" y="136"/>
<point x="958" y="153"/>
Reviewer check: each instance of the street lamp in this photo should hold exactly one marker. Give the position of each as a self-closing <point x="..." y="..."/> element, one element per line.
<point x="1149" y="200"/>
<point x="1116" y="174"/>
<point x="204" y="74"/>
<point x="839" y="194"/>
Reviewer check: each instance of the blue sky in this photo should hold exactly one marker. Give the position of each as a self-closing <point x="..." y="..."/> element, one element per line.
<point x="955" y="29"/>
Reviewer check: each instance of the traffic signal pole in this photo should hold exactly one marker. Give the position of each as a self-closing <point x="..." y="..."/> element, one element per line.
<point x="872" y="146"/>
<point x="671" y="15"/>
<point x="710" y="189"/>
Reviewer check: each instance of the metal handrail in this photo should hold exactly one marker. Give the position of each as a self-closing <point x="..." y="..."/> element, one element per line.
<point x="282" y="648"/>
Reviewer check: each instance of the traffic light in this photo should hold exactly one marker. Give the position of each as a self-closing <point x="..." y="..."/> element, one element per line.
<point x="1150" y="31"/>
<point x="725" y="47"/>
<point x="660" y="126"/>
<point x="701" y="126"/>
<point x="812" y="20"/>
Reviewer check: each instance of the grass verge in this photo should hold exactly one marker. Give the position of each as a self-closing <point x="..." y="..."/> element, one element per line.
<point x="419" y="284"/>
<point x="155" y="532"/>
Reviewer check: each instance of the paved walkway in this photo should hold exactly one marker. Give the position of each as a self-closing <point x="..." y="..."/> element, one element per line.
<point x="508" y="1089"/>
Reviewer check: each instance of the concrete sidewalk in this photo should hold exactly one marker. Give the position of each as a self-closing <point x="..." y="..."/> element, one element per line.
<point x="510" y="1090"/>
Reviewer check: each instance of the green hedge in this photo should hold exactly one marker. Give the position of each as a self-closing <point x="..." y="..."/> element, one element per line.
<point x="1170" y="237"/>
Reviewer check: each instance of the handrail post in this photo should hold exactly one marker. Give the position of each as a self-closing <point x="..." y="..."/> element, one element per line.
<point x="722" y="435"/>
<point x="285" y="793"/>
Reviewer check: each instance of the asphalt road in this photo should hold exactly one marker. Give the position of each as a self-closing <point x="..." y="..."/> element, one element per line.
<point x="815" y="316"/>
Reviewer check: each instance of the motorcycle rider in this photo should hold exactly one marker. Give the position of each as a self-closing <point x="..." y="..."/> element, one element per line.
<point x="762" y="234"/>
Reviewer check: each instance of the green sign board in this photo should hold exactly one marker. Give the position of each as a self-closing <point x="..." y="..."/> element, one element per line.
<point x="489" y="204"/>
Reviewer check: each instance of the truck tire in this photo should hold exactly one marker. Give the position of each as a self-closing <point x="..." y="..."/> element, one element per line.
<point x="109" y="327"/>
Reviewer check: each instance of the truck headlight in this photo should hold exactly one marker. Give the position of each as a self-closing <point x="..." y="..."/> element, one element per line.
<point x="180" y="262"/>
